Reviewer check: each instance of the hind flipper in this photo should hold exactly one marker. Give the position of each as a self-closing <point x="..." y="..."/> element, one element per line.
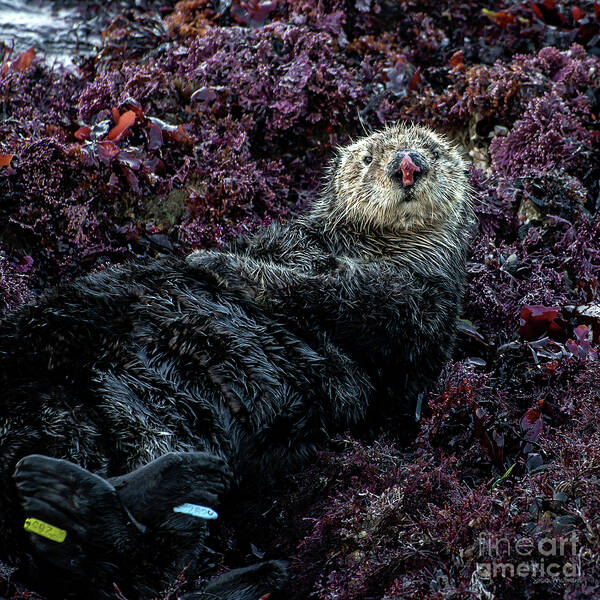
<point x="153" y="491"/>
<point x="123" y="529"/>
<point x="97" y="533"/>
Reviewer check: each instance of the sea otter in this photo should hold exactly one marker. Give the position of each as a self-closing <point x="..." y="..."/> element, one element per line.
<point x="136" y="391"/>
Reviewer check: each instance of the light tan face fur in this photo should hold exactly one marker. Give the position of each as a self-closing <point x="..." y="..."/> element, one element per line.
<point x="364" y="191"/>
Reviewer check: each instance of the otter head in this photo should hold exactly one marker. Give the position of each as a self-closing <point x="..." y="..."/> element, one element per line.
<point x="402" y="177"/>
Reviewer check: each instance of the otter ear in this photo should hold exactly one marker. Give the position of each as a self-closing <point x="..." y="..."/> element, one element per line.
<point x="334" y="165"/>
<point x="336" y="161"/>
<point x="465" y="162"/>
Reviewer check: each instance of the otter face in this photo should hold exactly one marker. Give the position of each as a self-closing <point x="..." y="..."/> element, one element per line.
<point x="402" y="177"/>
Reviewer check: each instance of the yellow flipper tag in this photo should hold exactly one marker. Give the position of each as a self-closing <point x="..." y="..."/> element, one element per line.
<point x="45" y="530"/>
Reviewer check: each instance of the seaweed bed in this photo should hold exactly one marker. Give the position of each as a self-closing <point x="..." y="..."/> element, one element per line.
<point x="197" y="121"/>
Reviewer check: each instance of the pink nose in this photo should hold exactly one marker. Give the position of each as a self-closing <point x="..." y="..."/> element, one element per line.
<point x="408" y="168"/>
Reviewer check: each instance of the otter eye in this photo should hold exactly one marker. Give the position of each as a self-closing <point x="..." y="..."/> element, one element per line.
<point x="368" y="159"/>
<point x="435" y="154"/>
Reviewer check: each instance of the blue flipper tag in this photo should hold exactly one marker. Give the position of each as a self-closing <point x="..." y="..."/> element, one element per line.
<point x="196" y="510"/>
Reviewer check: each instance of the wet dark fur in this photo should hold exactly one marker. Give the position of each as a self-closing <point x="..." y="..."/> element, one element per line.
<point x="255" y="354"/>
